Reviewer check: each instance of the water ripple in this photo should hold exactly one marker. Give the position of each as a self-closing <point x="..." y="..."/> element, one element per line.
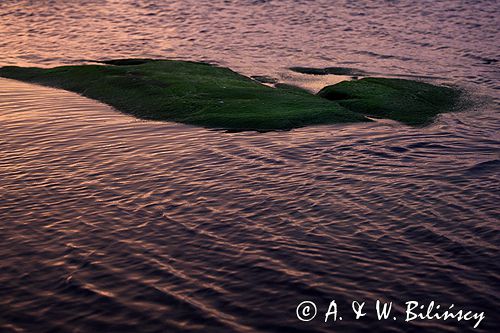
<point x="110" y="223"/>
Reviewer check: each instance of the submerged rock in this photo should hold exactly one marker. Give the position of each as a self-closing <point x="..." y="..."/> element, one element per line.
<point x="264" y="79"/>
<point x="216" y="97"/>
<point x="328" y="71"/>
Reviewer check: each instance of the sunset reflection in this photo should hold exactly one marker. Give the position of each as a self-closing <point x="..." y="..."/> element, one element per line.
<point x="111" y="223"/>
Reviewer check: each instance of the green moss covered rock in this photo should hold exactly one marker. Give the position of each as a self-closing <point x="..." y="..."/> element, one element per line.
<point x="410" y="102"/>
<point x="190" y="93"/>
<point x="216" y="97"/>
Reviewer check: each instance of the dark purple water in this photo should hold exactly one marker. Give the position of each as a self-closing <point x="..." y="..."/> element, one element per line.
<point x="111" y="224"/>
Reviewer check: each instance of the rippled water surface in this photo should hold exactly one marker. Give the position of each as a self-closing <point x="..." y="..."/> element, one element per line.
<point x="112" y="224"/>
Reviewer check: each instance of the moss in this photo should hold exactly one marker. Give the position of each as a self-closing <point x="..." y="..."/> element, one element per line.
<point x="216" y="97"/>
<point x="191" y="93"/>
<point x="125" y="62"/>
<point x="410" y="102"/>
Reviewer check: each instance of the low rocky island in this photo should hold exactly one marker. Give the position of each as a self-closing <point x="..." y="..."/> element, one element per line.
<point x="216" y="97"/>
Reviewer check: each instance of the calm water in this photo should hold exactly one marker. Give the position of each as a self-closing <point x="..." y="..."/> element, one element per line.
<point x="111" y="224"/>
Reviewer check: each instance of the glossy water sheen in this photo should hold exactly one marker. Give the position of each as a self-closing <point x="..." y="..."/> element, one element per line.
<point x="110" y="224"/>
